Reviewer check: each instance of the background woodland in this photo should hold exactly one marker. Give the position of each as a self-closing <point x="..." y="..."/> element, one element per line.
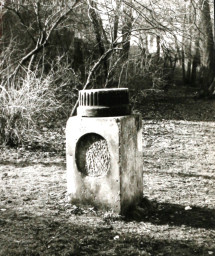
<point x="51" y="49"/>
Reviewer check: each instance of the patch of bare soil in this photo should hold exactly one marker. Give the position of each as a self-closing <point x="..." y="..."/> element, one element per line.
<point x="177" y="215"/>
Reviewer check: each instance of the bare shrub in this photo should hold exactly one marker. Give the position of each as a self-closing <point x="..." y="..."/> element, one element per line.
<point x="23" y="105"/>
<point x="34" y="100"/>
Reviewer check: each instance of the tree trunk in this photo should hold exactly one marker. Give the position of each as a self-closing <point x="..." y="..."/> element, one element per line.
<point x="187" y="44"/>
<point x="183" y="51"/>
<point x="100" y="37"/>
<point x="206" y="46"/>
<point x="183" y="65"/>
<point x="158" y="47"/>
<point x="116" y="22"/>
<point x="212" y="85"/>
<point x="126" y="30"/>
<point x="196" y="61"/>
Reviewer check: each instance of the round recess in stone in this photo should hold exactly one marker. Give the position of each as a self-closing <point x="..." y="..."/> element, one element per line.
<point x="92" y="155"/>
<point x="104" y="102"/>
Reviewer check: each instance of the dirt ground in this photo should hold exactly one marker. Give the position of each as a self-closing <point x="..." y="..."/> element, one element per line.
<point x="177" y="215"/>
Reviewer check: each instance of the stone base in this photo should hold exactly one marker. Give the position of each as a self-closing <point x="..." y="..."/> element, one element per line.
<point x="104" y="161"/>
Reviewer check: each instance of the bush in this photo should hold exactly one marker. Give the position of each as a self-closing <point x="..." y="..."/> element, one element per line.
<point x="23" y="106"/>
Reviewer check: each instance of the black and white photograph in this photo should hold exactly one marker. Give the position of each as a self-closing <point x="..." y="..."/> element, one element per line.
<point x="107" y="128"/>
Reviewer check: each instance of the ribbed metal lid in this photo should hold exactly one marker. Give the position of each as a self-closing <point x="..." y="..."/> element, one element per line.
<point x="104" y="102"/>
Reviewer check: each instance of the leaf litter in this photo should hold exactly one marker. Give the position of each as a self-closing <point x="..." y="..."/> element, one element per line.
<point x="176" y="217"/>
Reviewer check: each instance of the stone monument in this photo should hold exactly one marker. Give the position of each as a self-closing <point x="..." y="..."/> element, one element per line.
<point x="104" y="151"/>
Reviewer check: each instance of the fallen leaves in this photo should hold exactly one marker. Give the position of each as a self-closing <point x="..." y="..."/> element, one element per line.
<point x="178" y="218"/>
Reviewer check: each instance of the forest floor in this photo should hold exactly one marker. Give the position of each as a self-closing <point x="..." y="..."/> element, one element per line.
<point x="178" y="210"/>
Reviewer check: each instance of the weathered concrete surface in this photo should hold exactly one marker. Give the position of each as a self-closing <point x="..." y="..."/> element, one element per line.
<point x="131" y="163"/>
<point x="121" y="187"/>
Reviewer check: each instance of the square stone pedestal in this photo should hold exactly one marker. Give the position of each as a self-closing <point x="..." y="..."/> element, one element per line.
<point x="104" y="161"/>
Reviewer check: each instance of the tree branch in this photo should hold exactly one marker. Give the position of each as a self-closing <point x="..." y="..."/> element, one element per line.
<point x="43" y="39"/>
<point x="22" y="22"/>
<point x="92" y="71"/>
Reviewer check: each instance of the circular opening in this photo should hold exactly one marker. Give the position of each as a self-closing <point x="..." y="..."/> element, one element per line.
<point x="92" y="155"/>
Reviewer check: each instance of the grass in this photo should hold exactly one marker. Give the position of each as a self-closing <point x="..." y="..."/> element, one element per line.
<point x="177" y="215"/>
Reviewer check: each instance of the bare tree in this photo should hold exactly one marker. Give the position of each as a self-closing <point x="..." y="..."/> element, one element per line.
<point x="100" y="35"/>
<point x="42" y="28"/>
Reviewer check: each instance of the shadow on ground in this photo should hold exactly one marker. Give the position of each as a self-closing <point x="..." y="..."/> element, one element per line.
<point x="20" y="164"/>
<point x="174" y="215"/>
<point x="27" y="234"/>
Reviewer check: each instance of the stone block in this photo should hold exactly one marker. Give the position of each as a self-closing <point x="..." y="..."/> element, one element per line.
<point x="104" y="161"/>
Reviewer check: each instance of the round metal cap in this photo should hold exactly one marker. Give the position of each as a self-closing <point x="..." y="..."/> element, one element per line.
<point x="104" y="102"/>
